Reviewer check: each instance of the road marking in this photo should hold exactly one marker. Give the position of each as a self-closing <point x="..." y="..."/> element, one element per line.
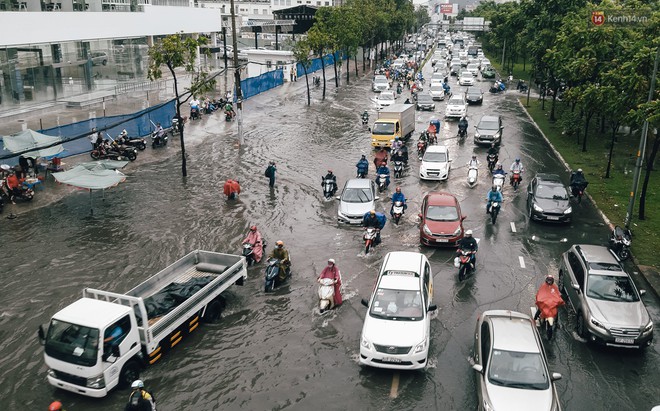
<point x="513" y="227"/>
<point x="522" y="261"/>
<point x="394" y="391"/>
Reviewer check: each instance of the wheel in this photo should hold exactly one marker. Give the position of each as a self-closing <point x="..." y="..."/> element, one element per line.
<point x="580" y="327"/>
<point x="462" y="272"/>
<point x="131" y="155"/>
<point x="28" y="197"/>
<point x="94" y="154"/>
<point x="153" y="145"/>
<point x="493" y="215"/>
<point x="142" y="146"/>
<point x="129" y="373"/>
<point x="269" y="286"/>
<point x="579" y="198"/>
<point x="367" y="248"/>
<point x="515" y="184"/>
<point x="104" y="62"/>
<point x="624" y="253"/>
<point x="212" y="312"/>
<point x="396" y="219"/>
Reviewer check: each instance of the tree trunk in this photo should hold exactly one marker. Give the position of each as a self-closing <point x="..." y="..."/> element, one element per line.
<point x="323" y="71"/>
<point x="609" y="158"/>
<point x="364" y="60"/>
<point x="309" y="99"/>
<point x="647" y="177"/>
<point x="356" y="65"/>
<point x="552" y="107"/>
<point x="184" y="170"/>
<point x="334" y="64"/>
<point x="586" y="131"/>
<point x="602" y="124"/>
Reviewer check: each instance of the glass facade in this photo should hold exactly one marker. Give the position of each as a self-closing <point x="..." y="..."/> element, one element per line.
<point x="38" y="73"/>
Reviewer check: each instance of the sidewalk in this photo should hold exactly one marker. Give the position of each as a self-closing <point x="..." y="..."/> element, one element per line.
<point x="652" y="276"/>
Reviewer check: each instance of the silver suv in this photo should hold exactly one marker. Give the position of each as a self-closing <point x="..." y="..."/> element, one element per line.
<point x="607" y="305"/>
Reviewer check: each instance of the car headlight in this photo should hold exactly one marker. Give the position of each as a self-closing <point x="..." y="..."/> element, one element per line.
<point x="96" y="382"/>
<point x="476" y="134"/>
<point x="487" y="406"/>
<point x="568" y="210"/>
<point x="51" y="373"/>
<point x="365" y="343"/>
<point x="597" y="323"/>
<point x="458" y="230"/>
<point x="420" y="347"/>
<point x="427" y="231"/>
<point x="537" y="208"/>
<point x="340" y="214"/>
<point x="649" y="326"/>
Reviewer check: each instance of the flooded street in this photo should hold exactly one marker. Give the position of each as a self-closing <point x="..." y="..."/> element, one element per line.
<point x="274" y="351"/>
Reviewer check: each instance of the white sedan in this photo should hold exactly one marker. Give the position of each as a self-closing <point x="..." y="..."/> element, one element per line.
<point x="456" y="106"/>
<point x="385" y="98"/>
<point x="466" y="79"/>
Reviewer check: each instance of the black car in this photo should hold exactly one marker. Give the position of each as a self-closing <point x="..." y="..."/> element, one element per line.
<point x="548" y="199"/>
<point x="474" y="95"/>
<point x="425" y="102"/>
<point x="455" y="68"/>
<point x="489" y="130"/>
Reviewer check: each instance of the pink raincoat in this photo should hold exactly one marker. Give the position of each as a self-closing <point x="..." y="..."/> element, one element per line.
<point x="254" y="238"/>
<point x="333" y="273"/>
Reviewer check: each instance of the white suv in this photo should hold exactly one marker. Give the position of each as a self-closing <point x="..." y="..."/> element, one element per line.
<point x="397" y="327"/>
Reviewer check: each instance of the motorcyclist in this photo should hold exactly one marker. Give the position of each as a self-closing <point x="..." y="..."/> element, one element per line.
<point x="330" y="176"/>
<point x="282" y="254"/>
<point x="159" y="132"/>
<point x="380" y="158"/>
<point x="469" y="243"/>
<point x="365" y="116"/>
<point x="517" y="166"/>
<point x="446" y="87"/>
<point x="499" y="170"/>
<point x="431" y="131"/>
<point x="383" y="169"/>
<point x="229" y="110"/>
<point x="463" y="125"/>
<point x="256" y="241"/>
<point x="332" y="271"/>
<point x="473" y="163"/>
<point x="232" y="189"/>
<point x="371" y="219"/>
<point x="140" y="399"/>
<point x="399" y="88"/>
<point x="548" y="299"/>
<point x="436" y="123"/>
<point x="493" y="196"/>
<point x="398" y="196"/>
<point x="493" y="149"/>
<point x="362" y="166"/>
<point x="396" y="144"/>
<point x="194" y="106"/>
<point x="578" y="182"/>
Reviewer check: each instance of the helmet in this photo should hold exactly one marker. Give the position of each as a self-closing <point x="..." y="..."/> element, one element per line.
<point x="579" y="170"/>
<point x="331" y="260"/>
<point x="492" y="145"/>
<point x="372" y="212"/>
<point x="396" y="138"/>
<point x="329" y="171"/>
<point x="279" y="243"/>
<point x="549" y="279"/>
<point x="494" y="188"/>
<point x="517" y="159"/>
<point x="253" y="228"/>
<point x="55" y="406"/>
<point x="364" y="157"/>
<point x="398" y="189"/>
<point x="137" y="384"/>
<point x="474" y="157"/>
<point x="468" y="233"/>
<point x="499" y="166"/>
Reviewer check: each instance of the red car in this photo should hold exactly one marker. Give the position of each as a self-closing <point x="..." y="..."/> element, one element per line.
<point x="441" y="220"/>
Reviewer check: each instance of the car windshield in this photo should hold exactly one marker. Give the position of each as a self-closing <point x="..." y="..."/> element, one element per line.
<point x="72" y="343"/>
<point x="380" y="80"/>
<point x="456" y="101"/>
<point x="551" y="192"/>
<point x="518" y="370"/>
<point x="431" y="157"/>
<point x="611" y="288"/>
<point x="383" y="128"/>
<point x="437" y="87"/>
<point x="386" y="96"/>
<point x="397" y="305"/>
<point x="356" y="195"/>
<point x="488" y="125"/>
<point x="442" y="213"/>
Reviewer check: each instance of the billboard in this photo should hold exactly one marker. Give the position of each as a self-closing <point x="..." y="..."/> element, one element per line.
<point x="446" y="8"/>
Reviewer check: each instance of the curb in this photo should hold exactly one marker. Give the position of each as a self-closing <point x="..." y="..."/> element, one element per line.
<point x="646" y="272"/>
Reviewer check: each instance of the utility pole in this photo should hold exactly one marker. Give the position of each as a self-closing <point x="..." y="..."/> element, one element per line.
<point x="642" y="147"/>
<point x="224" y="43"/>
<point x="237" y="74"/>
<point x="503" y="50"/>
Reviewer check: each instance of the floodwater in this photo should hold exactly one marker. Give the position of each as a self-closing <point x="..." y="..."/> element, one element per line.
<point x="274" y="351"/>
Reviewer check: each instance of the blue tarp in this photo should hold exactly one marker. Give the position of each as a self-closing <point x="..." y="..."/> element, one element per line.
<point x="316" y="63"/>
<point x="254" y="85"/>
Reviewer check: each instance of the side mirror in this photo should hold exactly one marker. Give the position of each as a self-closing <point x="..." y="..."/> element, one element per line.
<point x="576" y="287"/>
<point x="369" y="129"/>
<point x="463" y="218"/>
<point x="478" y="368"/>
<point x="642" y="292"/>
<point x="377" y="198"/>
<point x="338" y="198"/>
<point x="420" y="215"/>
<point x="432" y="307"/>
<point x="555" y="376"/>
<point x="42" y="335"/>
<point x="365" y="302"/>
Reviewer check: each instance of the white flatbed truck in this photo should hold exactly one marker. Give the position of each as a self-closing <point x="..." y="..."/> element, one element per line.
<point x="104" y="339"/>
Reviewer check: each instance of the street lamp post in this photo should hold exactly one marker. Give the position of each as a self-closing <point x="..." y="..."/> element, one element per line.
<point x="237" y="74"/>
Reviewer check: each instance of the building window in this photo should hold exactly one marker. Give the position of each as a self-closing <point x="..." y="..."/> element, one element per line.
<point x="265" y="11"/>
<point x="327" y="3"/>
<point x="255" y="11"/>
<point x="269" y="64"/>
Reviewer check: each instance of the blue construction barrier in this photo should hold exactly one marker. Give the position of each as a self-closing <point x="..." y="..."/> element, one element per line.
<point x="254" y="85"/>
<point x="328" y="60"/>
<point x="75" y="136"/>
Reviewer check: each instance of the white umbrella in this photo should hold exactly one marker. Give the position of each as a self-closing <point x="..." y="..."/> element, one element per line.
<point x="93" y="178"/>
<point x="33" y="141"/>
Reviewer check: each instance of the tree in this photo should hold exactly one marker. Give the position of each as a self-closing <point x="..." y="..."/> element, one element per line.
<point x="319" y="41"/>
<point x="176" y="51"/>
<point x="301" y="52"/>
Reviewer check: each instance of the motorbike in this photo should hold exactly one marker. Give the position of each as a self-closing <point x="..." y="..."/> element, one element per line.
<point x="365" y="119"/>
<point x="158" y="141"/>
<point x="382" y="182"/>
<point x="326" y="294"/>
<point x="620" y="241"/>
<point x="137" y="142"/>
<point x="494" y="210"/>
<point x="103" y="153"/>
<point x="473" y="173"/>
<point x="577" y="190"/>
<point x="548" y="325"/>
<point x="497" y="88"/>
<point x="229" y="115"/>
<point x="248" y="252"/>
<point x="492" y="161"/>
<point x="498" y="181"/>
<point x="398" y="169"/>
<point x="464" y="263"/>
<point x="272" y="278"/>
<point x="361" y="173"/>
<point x="462" y="130"/>
<point x="515" y="179"/>
<point x="195" y="114"/>
<point x="397" y="211"/>
<point x="176" y="126"/>
<point x="125" y="151"/>
<point x="369" y="237"/>
<point x="522" y="87"/>
<point x="421" y="148"/>
<point x="328" y="188"/>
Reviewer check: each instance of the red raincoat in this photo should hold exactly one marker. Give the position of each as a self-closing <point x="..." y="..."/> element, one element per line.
<point x="232" y="186"/>
<point x="381" y="158"/>
<point x="333" y="273"/>
<point x="548" y="299"/>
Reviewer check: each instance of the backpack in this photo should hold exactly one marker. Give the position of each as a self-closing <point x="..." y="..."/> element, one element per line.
<point x="269" y="172"/>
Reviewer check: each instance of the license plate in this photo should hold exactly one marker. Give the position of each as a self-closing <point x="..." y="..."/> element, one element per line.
<point x="552" y="217"/>
<point x="624" y="340"/>
<point x="434" y="174"/>
<point x="391" y="359"/>
<point x="441" y="240"/>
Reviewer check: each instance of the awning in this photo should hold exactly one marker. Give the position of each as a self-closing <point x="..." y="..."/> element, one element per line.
<point x="96" y="178"/>
<point x="30" y="143"/>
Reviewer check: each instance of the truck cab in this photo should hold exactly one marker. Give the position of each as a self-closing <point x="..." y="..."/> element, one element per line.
<point x="91" y="354"/>
<point x="384" y="132"/>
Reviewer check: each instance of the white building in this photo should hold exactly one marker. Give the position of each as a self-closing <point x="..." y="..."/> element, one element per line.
<point x="263" y="61"/>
